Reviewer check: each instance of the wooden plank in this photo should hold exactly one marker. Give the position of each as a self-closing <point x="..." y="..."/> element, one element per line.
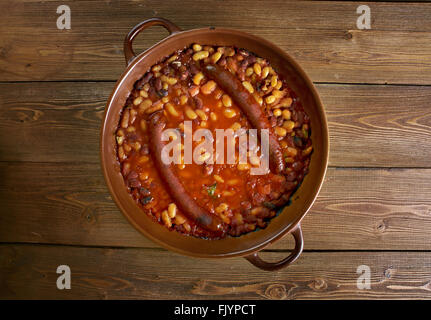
<point x="374" y="209"/>
<point x="378" y="126"/>
<point x="51" y="121"/>
<point x="63" y="203"/>
<point x="322" y="36"/>
<point x="369" y="126"/>
<point x="29" y="272"/>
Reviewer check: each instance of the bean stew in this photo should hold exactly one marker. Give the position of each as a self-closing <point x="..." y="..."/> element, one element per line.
<point x="213" y="88"/>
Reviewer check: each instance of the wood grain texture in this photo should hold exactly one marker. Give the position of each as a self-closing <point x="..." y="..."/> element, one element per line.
<point x="378" y="126"/>
<point x="46" y="122"/>
<point x="29" y="272"/>
<point x="357" y="209"/>
<point x="322" y="36"/>
<point x="369" y="126"/>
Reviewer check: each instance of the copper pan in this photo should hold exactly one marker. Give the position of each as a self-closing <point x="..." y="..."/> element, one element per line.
<point x="289" y="220"/>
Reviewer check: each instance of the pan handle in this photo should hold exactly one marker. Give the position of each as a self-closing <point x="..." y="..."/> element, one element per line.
<point x="272" y="266"/>
<point x="128" y="41"/>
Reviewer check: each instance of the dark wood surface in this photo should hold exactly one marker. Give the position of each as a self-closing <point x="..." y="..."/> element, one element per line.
<point x="106" y="273"/>
<point x="375" y="205"/>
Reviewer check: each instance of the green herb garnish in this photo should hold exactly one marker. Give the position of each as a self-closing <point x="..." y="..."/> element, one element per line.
<point x="211" y="190"/>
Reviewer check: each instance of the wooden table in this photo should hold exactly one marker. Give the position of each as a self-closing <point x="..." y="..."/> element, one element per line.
<point x="375" y="205"/>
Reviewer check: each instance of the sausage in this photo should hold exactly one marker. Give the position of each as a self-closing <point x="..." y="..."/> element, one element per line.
<point x="230" y="84"/>
<point x="175" y="188"/>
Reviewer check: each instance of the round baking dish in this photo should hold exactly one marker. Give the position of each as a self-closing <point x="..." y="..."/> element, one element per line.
<point x="289" y="220"/>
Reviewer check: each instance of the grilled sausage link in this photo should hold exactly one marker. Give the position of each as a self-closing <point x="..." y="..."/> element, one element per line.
<point x="232" y="86"/>
<point x="183" y="200"/>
